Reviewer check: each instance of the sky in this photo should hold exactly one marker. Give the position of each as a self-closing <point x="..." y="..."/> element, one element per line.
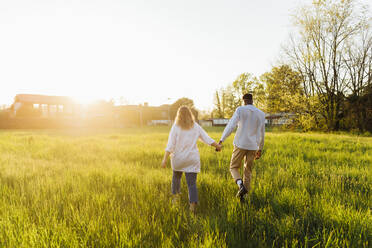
<point x="137" y="50"/>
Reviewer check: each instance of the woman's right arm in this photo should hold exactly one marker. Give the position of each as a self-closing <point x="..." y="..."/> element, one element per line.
<point x="165" y="159"/>
<point x="208" y="140"/>
<point x="170" y="146"/>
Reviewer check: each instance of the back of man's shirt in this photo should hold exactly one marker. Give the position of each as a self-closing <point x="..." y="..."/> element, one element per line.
<point x="251" y="128"/>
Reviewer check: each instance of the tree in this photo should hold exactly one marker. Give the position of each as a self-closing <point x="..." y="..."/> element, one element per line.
<point x="358" y="63"/>
<point x="204" y="114"/>
<point x="326" y="28"/>
<point x="229" y="98"/>
<point x="183" y="102"/>
<point x="220" y="104"/>
<point x="283" y="89"/>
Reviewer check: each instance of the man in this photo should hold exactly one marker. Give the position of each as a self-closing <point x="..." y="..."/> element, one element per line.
<point x="248" y="141"/>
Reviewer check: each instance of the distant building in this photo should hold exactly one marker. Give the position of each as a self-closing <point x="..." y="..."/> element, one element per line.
<point x="279" y="119"/>
<point x="219" y="121"/>
<point x="159" y="123"/>
<point x="43" y="106"/>
<point x="276" y="119"/>
<point x="206" y="123"/>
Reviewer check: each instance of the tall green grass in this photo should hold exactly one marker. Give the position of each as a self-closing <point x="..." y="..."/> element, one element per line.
<point x="105" y="188"/>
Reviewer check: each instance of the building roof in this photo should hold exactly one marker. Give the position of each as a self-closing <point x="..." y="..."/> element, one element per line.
<point x="43" y="99"/>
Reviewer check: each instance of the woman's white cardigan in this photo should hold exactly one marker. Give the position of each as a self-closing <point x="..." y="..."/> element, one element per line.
<point x="182" y="146"/>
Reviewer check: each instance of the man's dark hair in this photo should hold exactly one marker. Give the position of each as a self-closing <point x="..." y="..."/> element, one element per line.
<point x="248" y="97"/>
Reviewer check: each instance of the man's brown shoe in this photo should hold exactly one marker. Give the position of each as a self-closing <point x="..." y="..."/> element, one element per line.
<point x="242" y="191"/>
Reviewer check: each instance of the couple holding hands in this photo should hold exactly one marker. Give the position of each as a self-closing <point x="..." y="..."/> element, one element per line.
<point x="182" y="147"/>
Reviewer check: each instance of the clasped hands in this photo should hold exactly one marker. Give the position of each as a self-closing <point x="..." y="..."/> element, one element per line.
<point x="217" y="146"/>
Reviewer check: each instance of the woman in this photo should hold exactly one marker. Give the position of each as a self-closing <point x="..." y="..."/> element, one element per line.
<point x="185" y="155"/>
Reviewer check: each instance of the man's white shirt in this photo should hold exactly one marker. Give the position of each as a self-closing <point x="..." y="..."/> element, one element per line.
<point x="250" y="134"/>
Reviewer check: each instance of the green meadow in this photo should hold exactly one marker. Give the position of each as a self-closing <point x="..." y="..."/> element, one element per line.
<point x="105" y="188"/>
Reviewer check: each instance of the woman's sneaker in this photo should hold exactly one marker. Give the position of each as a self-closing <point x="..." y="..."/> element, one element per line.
<point x="176" y="200"/>
<point x="193" y="208"/>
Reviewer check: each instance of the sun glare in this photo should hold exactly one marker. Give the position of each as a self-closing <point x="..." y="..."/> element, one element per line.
<point x="85" y="100"/>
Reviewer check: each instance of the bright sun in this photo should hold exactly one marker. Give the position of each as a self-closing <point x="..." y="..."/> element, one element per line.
<point x="85" y="100"/>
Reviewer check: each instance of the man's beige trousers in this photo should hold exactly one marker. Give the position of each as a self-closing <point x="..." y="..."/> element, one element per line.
<point x="235" y="164"/>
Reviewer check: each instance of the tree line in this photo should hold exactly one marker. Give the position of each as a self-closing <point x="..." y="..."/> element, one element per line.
<point x="324" y="76"/>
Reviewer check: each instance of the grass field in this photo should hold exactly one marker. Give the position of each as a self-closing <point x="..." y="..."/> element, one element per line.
<point x="105" y="188"/>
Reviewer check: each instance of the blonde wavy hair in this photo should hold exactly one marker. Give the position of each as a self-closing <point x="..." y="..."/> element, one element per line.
<point x="185" y="119"/>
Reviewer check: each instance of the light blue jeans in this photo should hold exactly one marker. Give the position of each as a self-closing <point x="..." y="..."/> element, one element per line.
<point x="191" y="184"/>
